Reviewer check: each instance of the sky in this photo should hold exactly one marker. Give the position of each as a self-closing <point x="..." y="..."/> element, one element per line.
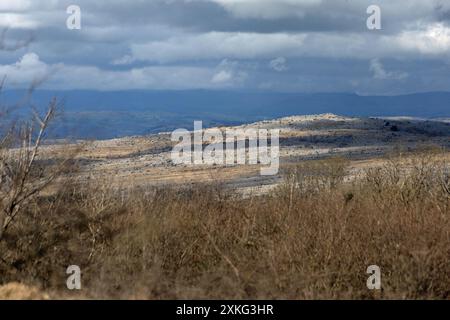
<point x="269" y="45"/>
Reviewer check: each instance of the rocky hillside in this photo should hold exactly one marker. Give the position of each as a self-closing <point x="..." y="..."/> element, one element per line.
<point x="145" y="160"/>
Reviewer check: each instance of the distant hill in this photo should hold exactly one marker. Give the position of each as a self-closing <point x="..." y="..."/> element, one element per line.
<point x="101" y="115"/>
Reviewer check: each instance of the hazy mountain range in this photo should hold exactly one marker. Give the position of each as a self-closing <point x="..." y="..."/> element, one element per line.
<point x="109" y="114"/>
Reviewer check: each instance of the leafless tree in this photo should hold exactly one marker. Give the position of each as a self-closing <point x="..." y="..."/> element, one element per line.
<point x="17" y="184"/>
<point x="19" y="152"/>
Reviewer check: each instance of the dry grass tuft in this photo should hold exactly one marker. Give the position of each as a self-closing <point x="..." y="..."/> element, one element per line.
<point x="313" y="238"/>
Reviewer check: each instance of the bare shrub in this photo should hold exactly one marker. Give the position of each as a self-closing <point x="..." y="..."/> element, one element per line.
<point x="310" y="177"/>
<point x="408" y="179"/>
<point x="22" y="179"/>
<point x="17" y="184"/>
<point x="160" y="243"/>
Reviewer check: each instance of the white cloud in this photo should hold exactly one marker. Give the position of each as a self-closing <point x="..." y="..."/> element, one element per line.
<point x="30" y="69"/>
<point x="126" y="59"/>
<point x="229" y="73"/>
<point x="222" y="76"/>
<point x="17" y="21"/>
<point x="278" y="64"/>
<point x="16" y="5"/>
<point x="27" y="70"/>
<point x="430" y="39"/>
<point x="380" y="73"/>
<point x="243" y="45"/>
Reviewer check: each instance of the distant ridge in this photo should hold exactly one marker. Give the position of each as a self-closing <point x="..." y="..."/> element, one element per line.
<point x="108" y="114"/>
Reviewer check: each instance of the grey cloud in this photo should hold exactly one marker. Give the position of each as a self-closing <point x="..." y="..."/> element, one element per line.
<point x="239" y="44"/>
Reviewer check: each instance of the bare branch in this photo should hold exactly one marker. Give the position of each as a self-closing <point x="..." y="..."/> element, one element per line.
<point x="18" y="187"/>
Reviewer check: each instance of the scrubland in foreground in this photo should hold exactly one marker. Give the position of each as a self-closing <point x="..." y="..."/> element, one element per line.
<point x="313" y="237"/>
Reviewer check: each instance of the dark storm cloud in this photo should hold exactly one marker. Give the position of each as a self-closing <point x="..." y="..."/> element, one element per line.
<point x="302" y="45"/>
<point x="203" y="16"/>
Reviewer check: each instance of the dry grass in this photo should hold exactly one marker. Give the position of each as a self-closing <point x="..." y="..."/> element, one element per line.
<point x="310" y="239"/>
